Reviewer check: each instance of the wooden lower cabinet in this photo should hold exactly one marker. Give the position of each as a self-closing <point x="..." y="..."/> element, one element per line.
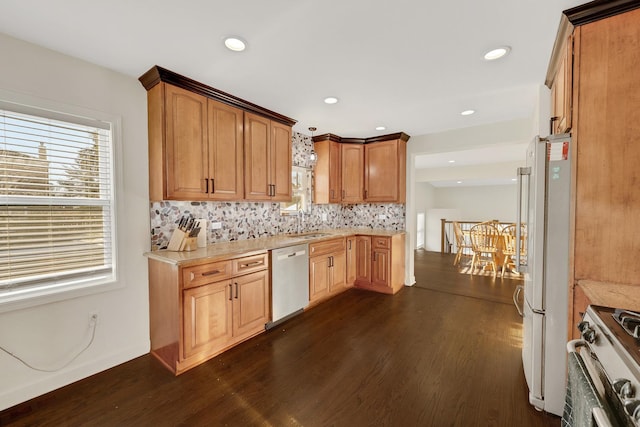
<point x="381" y="268"/>
<point x="207" y="318"/>
<point x="363" y="259"/>
<point x="197" y="312"/>
<point x="351" y="261"/>
<point x="327" y="269"/>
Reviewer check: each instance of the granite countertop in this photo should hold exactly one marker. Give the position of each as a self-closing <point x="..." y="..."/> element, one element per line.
<point x="614" y="295"/>
<point x="239" y="248"/>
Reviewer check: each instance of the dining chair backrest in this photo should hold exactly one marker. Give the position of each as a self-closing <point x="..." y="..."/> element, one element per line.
<point x="510" y="239"/>
<point x="484" y="237"/>
<point x="458" y="233"/>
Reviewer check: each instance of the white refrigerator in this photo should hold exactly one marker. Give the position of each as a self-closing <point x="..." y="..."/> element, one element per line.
<point x="543" y="205"/>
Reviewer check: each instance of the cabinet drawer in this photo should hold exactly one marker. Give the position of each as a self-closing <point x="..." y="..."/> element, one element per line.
<point x="206" y="273"/>
<point x="250" y="263"/>
<point x="327" y="246"/>
<point x="381" y="242"/>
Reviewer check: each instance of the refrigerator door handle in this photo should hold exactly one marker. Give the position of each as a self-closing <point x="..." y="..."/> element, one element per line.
<point x="516" y="295"/>
<point x="521" y="267"/>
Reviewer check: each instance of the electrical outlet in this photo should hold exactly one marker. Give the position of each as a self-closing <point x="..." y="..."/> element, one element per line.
<point x="382" y="216"/>
<point x="216" y="225"/>
<point x="324" y="216"/>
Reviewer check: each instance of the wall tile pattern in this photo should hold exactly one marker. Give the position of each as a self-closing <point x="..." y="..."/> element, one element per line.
<point x="250" y="220"/>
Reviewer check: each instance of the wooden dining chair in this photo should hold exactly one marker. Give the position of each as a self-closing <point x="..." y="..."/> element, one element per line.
<point x="509" y="239"/>
<point x="463" y="243"/>
<point x="485" y="238"/>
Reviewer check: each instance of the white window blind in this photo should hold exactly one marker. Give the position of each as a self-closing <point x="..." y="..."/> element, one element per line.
<point x="56" y="200"/>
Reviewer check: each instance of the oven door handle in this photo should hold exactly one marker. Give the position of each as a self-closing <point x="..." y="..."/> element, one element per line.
<point x="572" y="346"/>
<point x="600" y="417"/>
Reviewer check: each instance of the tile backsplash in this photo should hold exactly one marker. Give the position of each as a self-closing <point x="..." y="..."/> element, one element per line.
<point x="250" y="220"/>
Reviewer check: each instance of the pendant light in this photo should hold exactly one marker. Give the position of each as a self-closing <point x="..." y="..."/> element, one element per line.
<point x="313" y="156"/>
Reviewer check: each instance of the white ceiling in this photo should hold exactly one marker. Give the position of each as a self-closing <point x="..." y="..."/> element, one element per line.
<point x="410" y="65"/>
<point x="476" y="156"/>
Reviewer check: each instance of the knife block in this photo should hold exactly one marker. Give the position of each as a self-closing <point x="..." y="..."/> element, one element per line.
<point x="189" y="244"/>
<point x="177" y="238"/>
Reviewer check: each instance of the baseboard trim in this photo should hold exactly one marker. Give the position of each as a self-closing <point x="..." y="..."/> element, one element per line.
<point x="15" y="396"/>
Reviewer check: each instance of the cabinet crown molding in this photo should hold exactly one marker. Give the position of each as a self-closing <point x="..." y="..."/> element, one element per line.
<point x="598" y="9"/>
<point x="158" y="74"/>
<point x="390" y="137"/>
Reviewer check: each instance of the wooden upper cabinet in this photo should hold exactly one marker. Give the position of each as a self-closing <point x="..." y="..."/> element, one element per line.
<point x="281" y="161"/>
<point x="352" y="170"/>
<point x="226" y="147"/>
<point x="327" y="172"/>
<point x="356" y="170"/>
<point x="561" y="90"/>
<point x="195" y="146"/>
<point x="267" y="159"/>
<point x="184" y="139"/>
<point x="384" y="171"/>
<point x="197" y="142"/>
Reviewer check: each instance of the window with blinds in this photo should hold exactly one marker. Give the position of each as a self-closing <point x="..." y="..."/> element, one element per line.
<point x="56" y="200"/>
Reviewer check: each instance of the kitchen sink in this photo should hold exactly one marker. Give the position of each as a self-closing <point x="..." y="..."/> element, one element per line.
<point x="305" y="236"/>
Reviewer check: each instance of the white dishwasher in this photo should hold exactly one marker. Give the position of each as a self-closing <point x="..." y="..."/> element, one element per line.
<point x="289" y="282"/>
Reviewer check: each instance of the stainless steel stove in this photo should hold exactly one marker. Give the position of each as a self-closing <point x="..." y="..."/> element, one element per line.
<point x="610" y="352"/>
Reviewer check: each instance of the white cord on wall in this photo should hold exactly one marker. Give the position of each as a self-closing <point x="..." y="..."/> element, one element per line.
<point x="93" y="321"/>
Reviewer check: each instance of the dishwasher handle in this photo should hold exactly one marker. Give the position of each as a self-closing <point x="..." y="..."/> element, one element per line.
<point x="291" y="255"/>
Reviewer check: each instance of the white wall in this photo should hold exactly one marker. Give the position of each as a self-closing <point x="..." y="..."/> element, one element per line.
<point x="480" y="203"/>
<point x="47" y="334"/>
<point x="509" y="132"/>
<point x="424" y="200"/>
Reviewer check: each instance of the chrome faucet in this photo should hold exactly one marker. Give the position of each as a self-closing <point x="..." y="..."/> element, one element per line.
<point x="300" y="220"/>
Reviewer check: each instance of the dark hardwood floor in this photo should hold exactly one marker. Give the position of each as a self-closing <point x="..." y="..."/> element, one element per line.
<point x="443" y="353"/>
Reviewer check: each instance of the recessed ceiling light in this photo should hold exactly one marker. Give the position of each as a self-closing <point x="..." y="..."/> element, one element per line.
<point x="468" y="112"/>
<point x="497" y="53"/>
<point x="514" y="179"/>
<point x="452" y="161"/>
<point x="381" y="128"/>
<point x="235" y="44"/>
<point x="331" y="100"/>
<point x="459" y="182"/>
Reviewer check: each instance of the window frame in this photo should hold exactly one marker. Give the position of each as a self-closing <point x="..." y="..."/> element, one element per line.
<point x="305" y="206"/>
<point x="29" y="296"/>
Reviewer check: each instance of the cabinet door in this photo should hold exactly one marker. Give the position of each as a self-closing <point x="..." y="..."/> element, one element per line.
<point x="207" y="318"/>
<point x="226" y="141"/>
<point x="338" y="272"/>
<point x="381" y="172"/>
<point x="381" y="267"/>
<point x="319" y="277"/>
<point x="351" y="261"/>
<point x="257" y="136"/>
<point x="326" y="172"/>
<point x="280" y="162"/>
<point x="363" y="259"/>
<point x="352" y="166"/>
<point x="335" y="173"/>
<point x="607" y="125"/>
<point x="561" y="91"/>
<point x="250" y="303"/>
<point x="186" y="144"/>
